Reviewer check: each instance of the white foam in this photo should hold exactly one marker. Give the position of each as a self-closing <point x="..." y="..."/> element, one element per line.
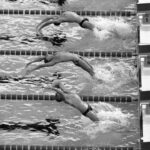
<point x="107" y="28"/>
<point x="111" y="118"/>
<point x="102" y="35"/>
<point x="102" y="73"/>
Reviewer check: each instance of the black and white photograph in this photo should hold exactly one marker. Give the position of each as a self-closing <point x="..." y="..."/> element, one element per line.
<point x="69" y="74"/>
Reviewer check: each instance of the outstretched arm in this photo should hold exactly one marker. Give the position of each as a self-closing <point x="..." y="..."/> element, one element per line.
<point x="39" y="67"/>
<point x="57" y="90"/>
<point x="54" y="89"/>
<point x="46" y="19"/>
<point x="58" y="84"/>
<point x="86" y="61"/>
<point x="43" y="24"/>
<point x="35" y="60"/>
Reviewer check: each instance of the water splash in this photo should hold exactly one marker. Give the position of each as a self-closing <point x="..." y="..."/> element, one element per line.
<point x="111" y="118"/>
<point x="107" y="28"/>
<point x="115" y="70"/>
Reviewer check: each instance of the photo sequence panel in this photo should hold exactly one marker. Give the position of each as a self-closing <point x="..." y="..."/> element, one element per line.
<point x="79" y="84"/>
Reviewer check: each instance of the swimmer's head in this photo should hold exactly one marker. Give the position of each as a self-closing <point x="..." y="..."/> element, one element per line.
<point x="59" y="98"/>
<point x="56" y="23"/>
<point x="56" y="84"/>
<point x="61" y="2"/>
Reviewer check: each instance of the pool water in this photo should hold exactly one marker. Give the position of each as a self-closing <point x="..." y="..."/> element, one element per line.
<point x="118" y="76"/>
<point x="24" y="122"/>
<point x="71" y="4"/>
<point x="118" y="125"/>
<point x="18" y="32"/>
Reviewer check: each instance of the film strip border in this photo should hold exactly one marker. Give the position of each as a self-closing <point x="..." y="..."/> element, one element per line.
<point x="119" y="99"/>
<point x="35" y="147"/>
<point x="81" y="53"/>
<point x="144" y="49"/>
<point x="145" y="95"/>
<point x="143" y="7"/>
<point x="138" y="34"/>
<point x="144" y="145"/>
<point x="58" y="12"/>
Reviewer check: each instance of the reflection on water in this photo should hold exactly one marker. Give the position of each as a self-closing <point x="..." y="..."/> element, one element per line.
<point x="118" y="123"/>
<point x="49" y="126"/>
<point x="56" y="39"/>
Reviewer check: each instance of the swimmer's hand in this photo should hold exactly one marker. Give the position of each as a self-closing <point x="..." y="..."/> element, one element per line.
<point x="27" y="65"/>
<point x="39" y="33"/>
<point x="27" y="72"/>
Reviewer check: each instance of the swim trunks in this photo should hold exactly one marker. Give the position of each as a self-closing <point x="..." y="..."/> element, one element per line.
<point x="88" y="109"/>
<point x="81" y="23"/>
<point x="45" y="60"/>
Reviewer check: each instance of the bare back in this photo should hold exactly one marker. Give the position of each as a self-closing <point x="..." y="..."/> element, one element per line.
<point x="71" y="17"/>
<point x="64" y="57"/>
<point x="75" y="101"/>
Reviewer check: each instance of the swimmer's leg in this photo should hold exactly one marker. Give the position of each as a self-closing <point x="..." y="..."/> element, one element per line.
<point x="86" y="61"/>
<point x="85" y="66"/>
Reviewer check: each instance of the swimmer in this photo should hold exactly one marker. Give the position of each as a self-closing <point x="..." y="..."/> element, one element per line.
<point x="111" y="29"/>
<point x="59" y="57"/>
<point x="73" y="99"/>
<point x="69" y="17"/>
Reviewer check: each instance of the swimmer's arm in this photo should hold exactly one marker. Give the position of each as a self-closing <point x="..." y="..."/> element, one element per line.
<point x="38" y="67"/>
<point x="55" y="89"/>
<point x="42" y="66"/>
<point x="58" y="90"/>
<point x="58" y="84"/>
<point x="63" y="88"/>
<point x="46" y="19"/>
<point x="35" y="60"/>
<point x="42" y="25"/>
<point x="87" y="62"/>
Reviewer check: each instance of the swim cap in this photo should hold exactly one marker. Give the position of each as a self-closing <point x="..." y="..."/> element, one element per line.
<point x="61" y="2"/>
<point x="56" y="23"/>
<point x="59" y="98"/>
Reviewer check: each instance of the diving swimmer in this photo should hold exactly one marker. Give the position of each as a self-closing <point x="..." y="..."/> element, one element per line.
<point x="69" y="17"/>
<point x="73" y="99"/>
<point x="59" y="57"/>
<point x="119" y="30"/>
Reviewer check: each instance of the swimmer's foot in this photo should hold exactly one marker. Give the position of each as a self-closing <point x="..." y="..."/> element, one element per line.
<point x="100" y="81"/>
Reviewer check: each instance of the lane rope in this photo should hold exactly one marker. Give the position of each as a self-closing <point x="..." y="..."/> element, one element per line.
<point x="118" y="99"/>
<point x="35" y="147"/>
<point x="85" y="54"/>
<point x="58" y="12"/>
